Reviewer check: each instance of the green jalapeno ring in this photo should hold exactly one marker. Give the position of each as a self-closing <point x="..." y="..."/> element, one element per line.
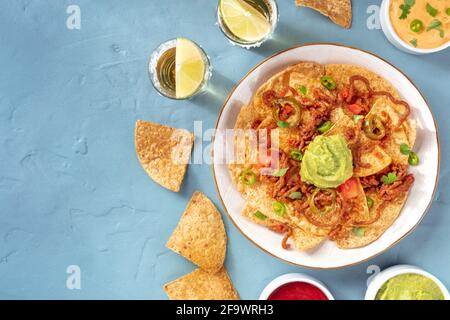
<point x="248" y="177"/>
<point x="328" y="82"/>
<point x="416" y="25"/>
<point x="294" y="119"/>
<point x="374" y="128"/>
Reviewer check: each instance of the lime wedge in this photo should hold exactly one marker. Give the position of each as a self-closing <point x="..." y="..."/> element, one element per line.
<point x="190" y="68"/>
<point x="244" y="21"/>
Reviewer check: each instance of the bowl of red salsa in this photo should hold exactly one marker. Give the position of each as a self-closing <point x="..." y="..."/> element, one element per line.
<point x="295" y="286"/>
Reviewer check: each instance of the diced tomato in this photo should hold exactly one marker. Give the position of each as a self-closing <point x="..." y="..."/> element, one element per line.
<point x="293" y="142"/>
<point x="349" y="189"/>
<point x="268" y="96"/>
<point x="344" y="93"/>
<point x="286" y="110"/>
<point x="280" y="228"/>
<point x="355" y="108"/>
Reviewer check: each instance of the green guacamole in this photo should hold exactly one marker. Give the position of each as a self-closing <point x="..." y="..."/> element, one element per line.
<point x="327" y="162"/>
<point x="409" y="286"/>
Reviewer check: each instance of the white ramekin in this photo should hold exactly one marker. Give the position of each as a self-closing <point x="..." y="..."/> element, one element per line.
<point x="377" y="281"/>
<point x="293" y="277"/>
<point x="393" y="38"/>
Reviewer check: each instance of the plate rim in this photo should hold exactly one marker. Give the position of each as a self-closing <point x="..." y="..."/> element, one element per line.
<point x="342" y="46"/>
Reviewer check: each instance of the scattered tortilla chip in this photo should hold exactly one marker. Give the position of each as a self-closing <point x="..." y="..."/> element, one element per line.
<point x="339" y="11"/>
<point x="202" y="285"/>
<point x="200" y="234"/>
<point x="163" y="152"/>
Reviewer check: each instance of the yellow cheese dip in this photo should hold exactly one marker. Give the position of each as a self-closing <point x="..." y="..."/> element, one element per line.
<point x="411" y="20"/>
<point x="410" y="286"/>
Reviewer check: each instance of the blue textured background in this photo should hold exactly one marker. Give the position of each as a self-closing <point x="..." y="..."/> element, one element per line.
<point x="71" y="189"/>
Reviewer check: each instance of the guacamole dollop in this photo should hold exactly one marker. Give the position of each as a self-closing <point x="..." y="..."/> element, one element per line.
<point x="409" y="286"/>
<point x="327" y="162"/>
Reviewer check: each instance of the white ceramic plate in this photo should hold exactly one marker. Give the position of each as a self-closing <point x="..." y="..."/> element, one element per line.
<point x="328" y="256"/>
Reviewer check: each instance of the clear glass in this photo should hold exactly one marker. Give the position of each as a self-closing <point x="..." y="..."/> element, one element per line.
<point x="162" y="68"/>
<point x="268" y="8"/>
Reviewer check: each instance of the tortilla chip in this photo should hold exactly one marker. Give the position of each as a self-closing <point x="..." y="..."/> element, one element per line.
<point x="389" y="213"/>
<point x="200" y="234"/>
<point x="306" y="70"/>
<point x="377" y="157"/>
<point x="163" y="152"/>
<point x="339" y="11"/>
<point x="249" y="213"/>
<point x="410" y="129"/>
<point x="202" y="285"/>
<point x="305" y="241"/>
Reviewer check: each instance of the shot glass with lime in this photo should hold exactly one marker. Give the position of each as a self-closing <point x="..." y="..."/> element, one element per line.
<point x="179" y="69"/>
<point x="247" y="23"/>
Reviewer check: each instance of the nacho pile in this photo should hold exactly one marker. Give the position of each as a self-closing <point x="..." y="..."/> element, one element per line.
<point x="201" y="238"/>
<point x="323" y="152"/>
<point x="163" y="152"/>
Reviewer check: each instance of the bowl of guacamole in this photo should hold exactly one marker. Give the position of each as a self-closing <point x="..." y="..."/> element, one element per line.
<point x="405" y="282"/>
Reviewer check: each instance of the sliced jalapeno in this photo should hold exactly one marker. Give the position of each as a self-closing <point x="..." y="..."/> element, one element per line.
<point x="328" y="82"/>
<point x="293" y="118"/>
<point x="416" y="25"/>
<point x="374" y="128"/>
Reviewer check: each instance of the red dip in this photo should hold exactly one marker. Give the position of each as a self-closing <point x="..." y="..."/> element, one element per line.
<point x="297" y="291"/>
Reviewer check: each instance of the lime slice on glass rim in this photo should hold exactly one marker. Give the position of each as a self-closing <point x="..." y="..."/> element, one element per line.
<point x="244" y="21"/>
<point x="189" y="68"/>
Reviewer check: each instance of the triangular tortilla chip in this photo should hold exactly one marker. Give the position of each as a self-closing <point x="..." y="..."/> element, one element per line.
<point x="202" y="285"/>
<point x="305" y="241"/>
<point x="200" y="234"/>
<point x="339" y="11"/>
<point x="164" y="152"/>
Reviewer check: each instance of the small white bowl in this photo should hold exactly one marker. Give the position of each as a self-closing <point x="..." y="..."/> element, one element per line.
<point x="377" y="281"/>
<point x="293" y="277"/>
<point x="393" y="37"/>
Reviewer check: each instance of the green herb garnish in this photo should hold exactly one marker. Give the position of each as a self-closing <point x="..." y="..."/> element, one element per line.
<point x="404" y="149"/>
<point x="436" y="25"/>
<point x="283" y="124"/>
<point x="280" y="172"/>
<point x="406" y="8"/>
<point x="260" y="215"/>
<point x="359" y="231"/>
<point x="432" y="11"/>
<point x="370" y="202"/>
<point x="296" y="195"/>
<point x="357" y="117"/>
<point x="303" y="90"/>
<point x="413" y="159"/>
<point x="390" y="178"/>
<point x="414" y="42"/>
<point x="447" y="11"/>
